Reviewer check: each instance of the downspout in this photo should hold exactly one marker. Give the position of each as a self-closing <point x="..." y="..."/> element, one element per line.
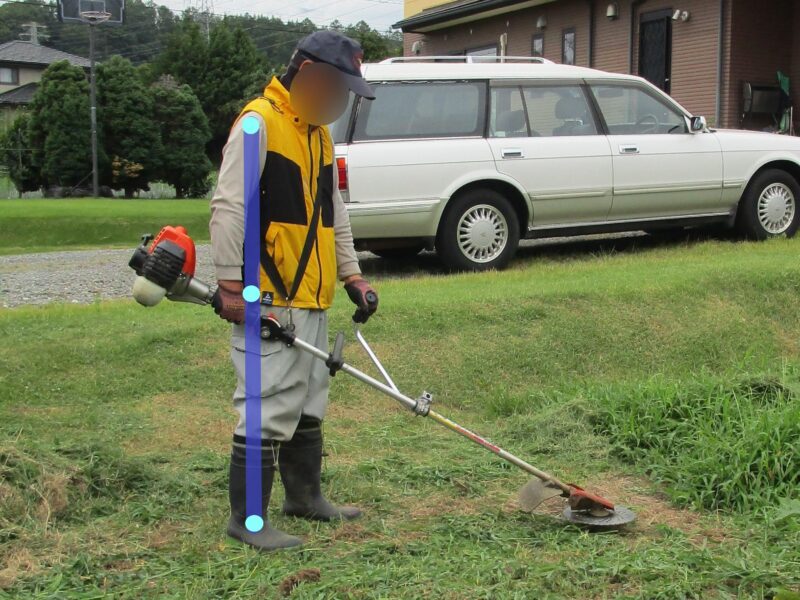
<point x="634" y="4"/>
<point x="591" y="32"/>
<point x="720" y="65"/>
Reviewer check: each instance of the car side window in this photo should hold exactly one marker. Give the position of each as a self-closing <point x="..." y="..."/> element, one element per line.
<point x="630" y="110"/>
<point x="507" y="113"/>
<point x="422" y="110"/>
<point x="340" y="126"/>
<point x="558" y="110"/>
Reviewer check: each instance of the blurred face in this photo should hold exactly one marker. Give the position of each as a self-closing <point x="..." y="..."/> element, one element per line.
<point x="319" y="93"/>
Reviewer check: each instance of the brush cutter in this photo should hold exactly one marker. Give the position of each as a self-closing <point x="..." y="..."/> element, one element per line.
<point x="166" y="269"/>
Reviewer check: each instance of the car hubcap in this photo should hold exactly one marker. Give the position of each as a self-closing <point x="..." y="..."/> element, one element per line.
<point x="776" y="207"/>
<point x="482" y="233"/>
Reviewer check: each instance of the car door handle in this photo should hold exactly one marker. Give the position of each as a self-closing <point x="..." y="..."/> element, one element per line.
<point x="512" y="153"/>
<point x="629" y="149"/>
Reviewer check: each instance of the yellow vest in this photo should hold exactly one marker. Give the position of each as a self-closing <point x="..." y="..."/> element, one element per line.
<point x="288" y="188"/>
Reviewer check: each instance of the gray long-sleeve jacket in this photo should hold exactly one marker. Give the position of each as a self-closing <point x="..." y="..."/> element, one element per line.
<point x="227" y="211"/>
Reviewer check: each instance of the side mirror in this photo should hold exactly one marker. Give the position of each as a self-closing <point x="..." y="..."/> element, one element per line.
<point x="698" y="124"/>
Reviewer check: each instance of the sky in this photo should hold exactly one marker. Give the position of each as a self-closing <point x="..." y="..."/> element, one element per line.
<point x="379" y="14"/>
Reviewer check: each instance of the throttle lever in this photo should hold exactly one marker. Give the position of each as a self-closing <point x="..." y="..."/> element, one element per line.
<point x="335" y="360"/>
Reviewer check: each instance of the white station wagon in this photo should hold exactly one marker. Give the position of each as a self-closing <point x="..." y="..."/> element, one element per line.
<point x="468" y="157"/>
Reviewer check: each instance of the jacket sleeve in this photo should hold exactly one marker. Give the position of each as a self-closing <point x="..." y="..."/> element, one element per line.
<point x="346" y="258"/>
<point x="227" y="204"/>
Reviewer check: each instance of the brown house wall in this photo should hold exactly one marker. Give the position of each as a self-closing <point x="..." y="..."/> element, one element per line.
<point x="761" y="44"/>
<point x="695" y="45"/>
<point x="756" y="43"/>
<point x="612" y="39"/>
<point x="520" y="27"/>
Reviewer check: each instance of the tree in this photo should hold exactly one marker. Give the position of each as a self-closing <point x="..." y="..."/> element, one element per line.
<point x="230" y="69"/>
<point x="16" y="154"/>
<point x="186" y="55"/>
<point x="184" y="134"/>
<point x="375" y="45"/>
<point x="60" y="132"/>
<point x="130" y="138"/>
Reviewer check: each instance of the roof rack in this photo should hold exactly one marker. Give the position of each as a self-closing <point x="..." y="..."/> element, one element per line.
<point x="468" y="59"/>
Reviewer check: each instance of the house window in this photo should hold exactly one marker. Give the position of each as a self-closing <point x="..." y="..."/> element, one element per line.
<point x="9" y="75"/>
<point x="568" y="47"/>
<point x="537" y="45"/>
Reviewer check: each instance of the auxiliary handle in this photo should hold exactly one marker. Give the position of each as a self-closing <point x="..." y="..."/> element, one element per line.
<point x="361" y="315"/>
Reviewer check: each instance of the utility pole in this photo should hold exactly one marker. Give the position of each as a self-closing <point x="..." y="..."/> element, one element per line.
<point x="92" y="18"/>
<point x="32" y="34"/>
<point x="93" y="112"/>
<point x="206" y="8"/>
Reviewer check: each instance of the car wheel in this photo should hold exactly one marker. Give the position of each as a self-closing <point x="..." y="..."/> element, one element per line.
<point x="398" y="253"/>
<point x="769" y="206"/>
<point x="479" y="231"/>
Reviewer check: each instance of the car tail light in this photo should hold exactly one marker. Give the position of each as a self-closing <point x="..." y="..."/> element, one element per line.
<point x="341" y="164"/>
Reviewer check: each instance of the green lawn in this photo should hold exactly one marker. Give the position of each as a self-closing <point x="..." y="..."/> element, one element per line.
<point x="42" y="225"/>
<point x="666" y="378"/>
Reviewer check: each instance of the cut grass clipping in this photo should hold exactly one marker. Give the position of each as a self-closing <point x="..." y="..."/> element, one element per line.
<point x="664" y="377"/>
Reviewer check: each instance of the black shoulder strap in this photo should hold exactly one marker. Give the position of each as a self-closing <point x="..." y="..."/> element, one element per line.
<point x="267" y="261"/>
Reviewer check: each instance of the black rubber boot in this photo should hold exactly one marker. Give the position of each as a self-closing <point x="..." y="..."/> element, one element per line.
<point x="268" y="538"/>
<point x="300" y="463"/>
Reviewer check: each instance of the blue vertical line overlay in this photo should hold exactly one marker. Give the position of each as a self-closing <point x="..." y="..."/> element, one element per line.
<point x="252" y="325"/>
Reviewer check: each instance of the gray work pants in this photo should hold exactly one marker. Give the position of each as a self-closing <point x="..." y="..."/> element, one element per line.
<point x="293" y="382"/>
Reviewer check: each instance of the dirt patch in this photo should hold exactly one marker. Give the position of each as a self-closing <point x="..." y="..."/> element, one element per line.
<point x="287" y="586"/>
<point x="178" y="422"/>
<point x="788" y="342"/>
<point x="352" y="532"/>
<point x="651" y="509"/>
<point x="49" y="411"/>
<point x="163" y="535"/>
<point x="436" y="505"/>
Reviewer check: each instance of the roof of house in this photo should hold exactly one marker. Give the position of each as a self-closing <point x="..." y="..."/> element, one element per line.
<point x="460" y="11"/>
<point x="18" y="51"/>
<point x="20" y="95"/>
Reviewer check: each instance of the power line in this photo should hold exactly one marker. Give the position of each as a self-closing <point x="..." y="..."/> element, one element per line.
<point x="147" y="50"/>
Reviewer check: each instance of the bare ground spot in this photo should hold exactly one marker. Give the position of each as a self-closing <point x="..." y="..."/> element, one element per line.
<point x="286" y="586"/>
<point x="436" y="505"/>
<point x="788" y="342"/>
<point x="652" y="509"/>
<point x="179" y="423"/>
<point x="163" y="535"/>
<point x="50" y="411"/>
<point x="352" y="531"/>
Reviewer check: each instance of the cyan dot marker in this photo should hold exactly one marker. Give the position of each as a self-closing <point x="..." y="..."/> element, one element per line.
<point x="254" y="523"/>
<point x="251" y="294"/>
<point x="250" y="125"/>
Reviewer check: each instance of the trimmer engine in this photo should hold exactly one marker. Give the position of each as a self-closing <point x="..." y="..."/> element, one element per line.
<point x="166" y="268"/>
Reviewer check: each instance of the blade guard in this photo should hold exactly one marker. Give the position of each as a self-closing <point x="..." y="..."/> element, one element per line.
<point x="580" y="499"/>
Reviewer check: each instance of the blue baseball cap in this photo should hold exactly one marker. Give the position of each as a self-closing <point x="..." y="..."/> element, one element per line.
<point x="340" y="51"/>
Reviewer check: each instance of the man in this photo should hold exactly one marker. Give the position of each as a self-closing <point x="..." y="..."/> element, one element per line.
<point x="301" y="208"/>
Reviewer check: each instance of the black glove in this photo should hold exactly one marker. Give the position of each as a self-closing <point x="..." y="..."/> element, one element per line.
<point x="364" y="297"/>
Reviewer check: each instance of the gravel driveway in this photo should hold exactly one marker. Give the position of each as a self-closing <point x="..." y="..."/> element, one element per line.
<point x="78" y="276"/>
<point x="83" y="276"/>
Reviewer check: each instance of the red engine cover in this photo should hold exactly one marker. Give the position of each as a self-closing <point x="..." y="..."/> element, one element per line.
<point x="179" y="236"/>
